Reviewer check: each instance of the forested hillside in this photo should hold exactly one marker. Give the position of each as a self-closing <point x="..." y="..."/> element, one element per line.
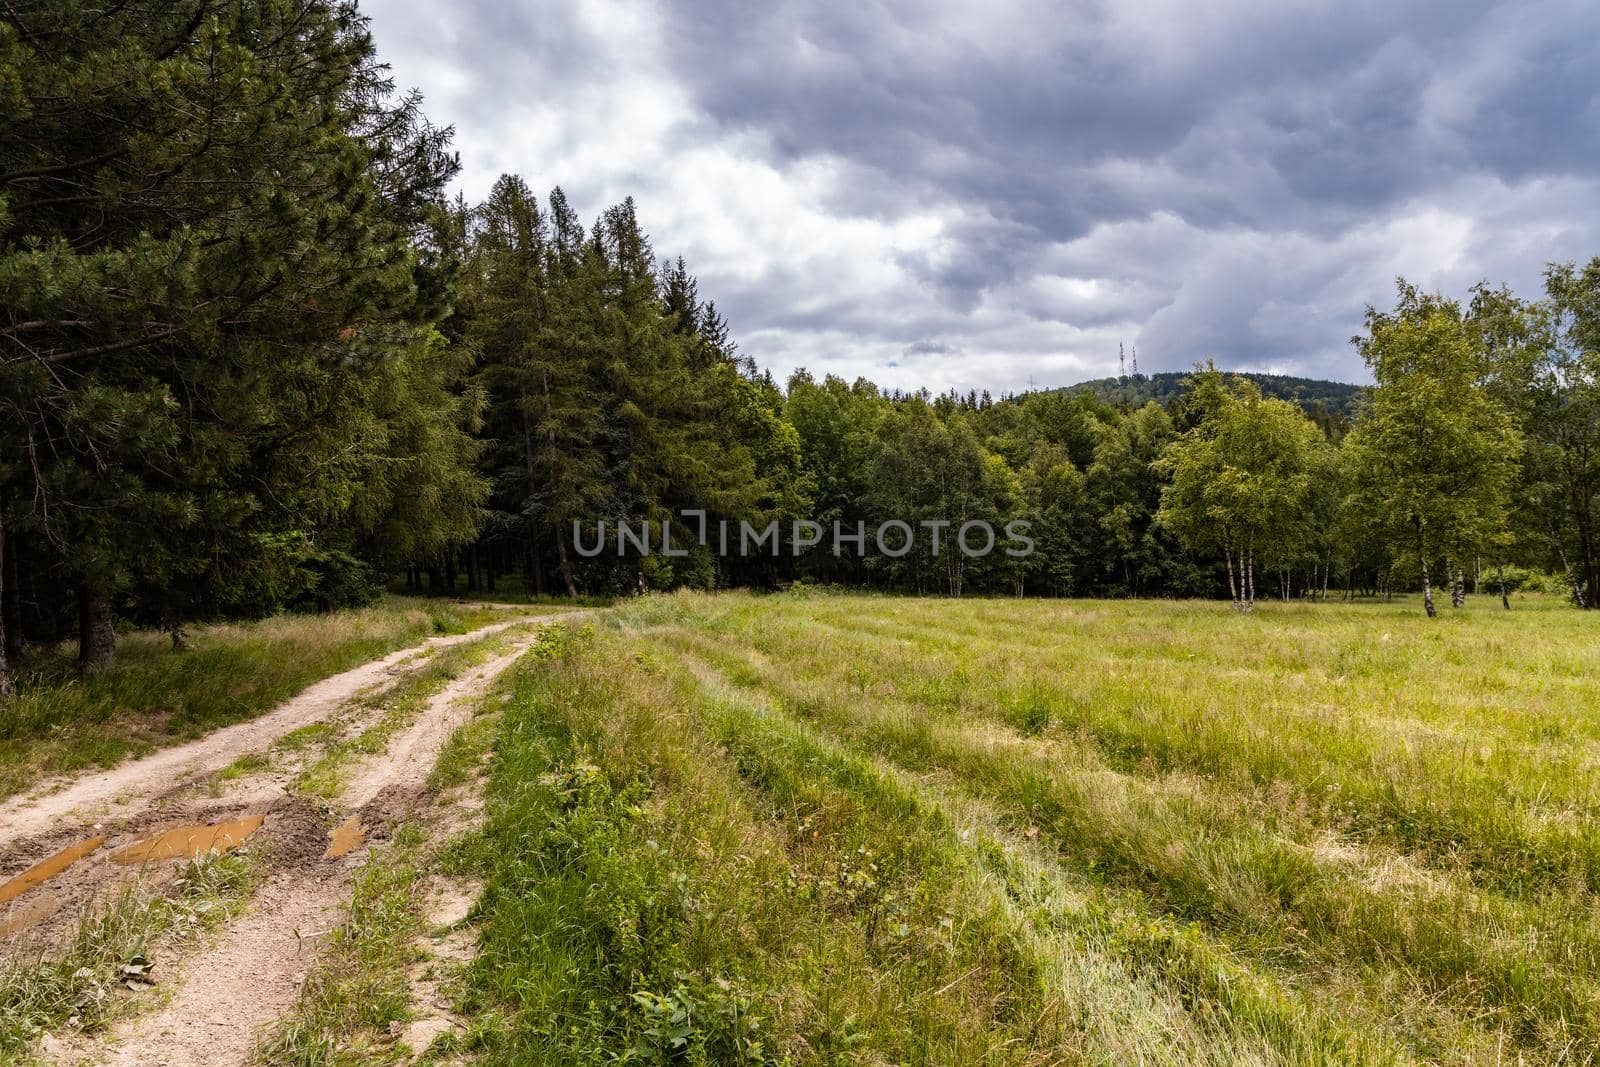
<point x="1335" y="403"/>
<point x="253" y="358"/>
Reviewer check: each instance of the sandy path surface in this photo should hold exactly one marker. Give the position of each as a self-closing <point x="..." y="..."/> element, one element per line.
<point x="223" y="996"/>
<point x="126" y="788"/>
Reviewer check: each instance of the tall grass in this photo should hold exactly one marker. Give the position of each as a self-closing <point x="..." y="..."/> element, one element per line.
<point x="151" y="696"/>
<point x="1031" y="832"/>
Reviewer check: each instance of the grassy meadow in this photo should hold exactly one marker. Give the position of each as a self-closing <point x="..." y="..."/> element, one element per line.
<point x="64" y="721"/>
<point x="820" y="828"/>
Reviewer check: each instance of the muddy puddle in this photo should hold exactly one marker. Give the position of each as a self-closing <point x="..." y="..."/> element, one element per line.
<point x="47" y="869"/>
<point x="346" y="836"/>
<point x="186" y="842"/>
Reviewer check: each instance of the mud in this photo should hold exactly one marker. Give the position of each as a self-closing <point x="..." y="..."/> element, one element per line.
<point x="346" y="836"/>
<point x="187" y="842"/>
<point x="28" y="914"/>
<point x="260" y="961"/>
<point x="47" y="869"/>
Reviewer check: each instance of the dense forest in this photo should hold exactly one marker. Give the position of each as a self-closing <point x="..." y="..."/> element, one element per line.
<point x="1332" y="405"/>
<point x="253" y="358"/>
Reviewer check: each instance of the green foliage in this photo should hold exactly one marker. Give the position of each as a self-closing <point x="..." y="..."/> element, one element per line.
<point x="613" y="393"/>
<point x="1434" y="457"/>
<point x="253" y="359"/>
<point x="216" y="252"/>
<point x="1559" y="505"/>
<point x="1331" y="405"/>
<point x="602" y="906"/>
<point x="344" y="581"/>
<point x="1241" y="479"/>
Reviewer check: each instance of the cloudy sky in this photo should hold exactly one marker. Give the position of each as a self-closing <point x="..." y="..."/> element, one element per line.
<point x="995" y="194"/>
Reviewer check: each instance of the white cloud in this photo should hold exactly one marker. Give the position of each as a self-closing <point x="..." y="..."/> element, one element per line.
<point x="995" y="196"/>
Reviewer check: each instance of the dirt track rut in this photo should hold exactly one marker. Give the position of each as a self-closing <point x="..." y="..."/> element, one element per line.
<point x="227" y="994"/>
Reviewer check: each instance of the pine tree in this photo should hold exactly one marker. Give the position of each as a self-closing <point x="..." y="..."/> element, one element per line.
<point x="206" y="248"/>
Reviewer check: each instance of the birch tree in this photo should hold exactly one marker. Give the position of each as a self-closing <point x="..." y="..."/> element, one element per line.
<point x="1433" y="456"/>
<point x="1240" y="480"/>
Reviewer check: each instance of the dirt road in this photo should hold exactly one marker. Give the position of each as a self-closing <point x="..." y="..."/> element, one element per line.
<point x="126" y="788"/>
<point x="140" y="815"/>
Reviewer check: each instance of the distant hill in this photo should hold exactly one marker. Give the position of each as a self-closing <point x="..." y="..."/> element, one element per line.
<point x="1312" y="394"/>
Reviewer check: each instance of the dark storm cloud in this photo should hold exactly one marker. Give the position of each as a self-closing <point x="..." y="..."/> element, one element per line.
<point x="1029" y="183"/>
<point x="926" y="348"/>
<point x="1334" y="102"/>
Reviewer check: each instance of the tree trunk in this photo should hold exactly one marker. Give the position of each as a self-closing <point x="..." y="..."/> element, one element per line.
<point x="7" y="582"/>
<point x="1566" y="567"/>
<point x="10" y="603"/>
<point x="1458" y="588"/>
<point x="1250" y="579"/>
<point x="1233" y="590"/>
<point x="536" y="563"/>
<point x="97" y="638"/>
<point x="1421" y="559"/>
<point x="1588" y="556"/>
<point x="565" y="565"/>
<point x="1500" y="572"/>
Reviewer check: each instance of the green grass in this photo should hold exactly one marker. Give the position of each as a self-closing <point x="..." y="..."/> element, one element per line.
<point x="152" y="696"/>
<point x="845" y="829"/>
